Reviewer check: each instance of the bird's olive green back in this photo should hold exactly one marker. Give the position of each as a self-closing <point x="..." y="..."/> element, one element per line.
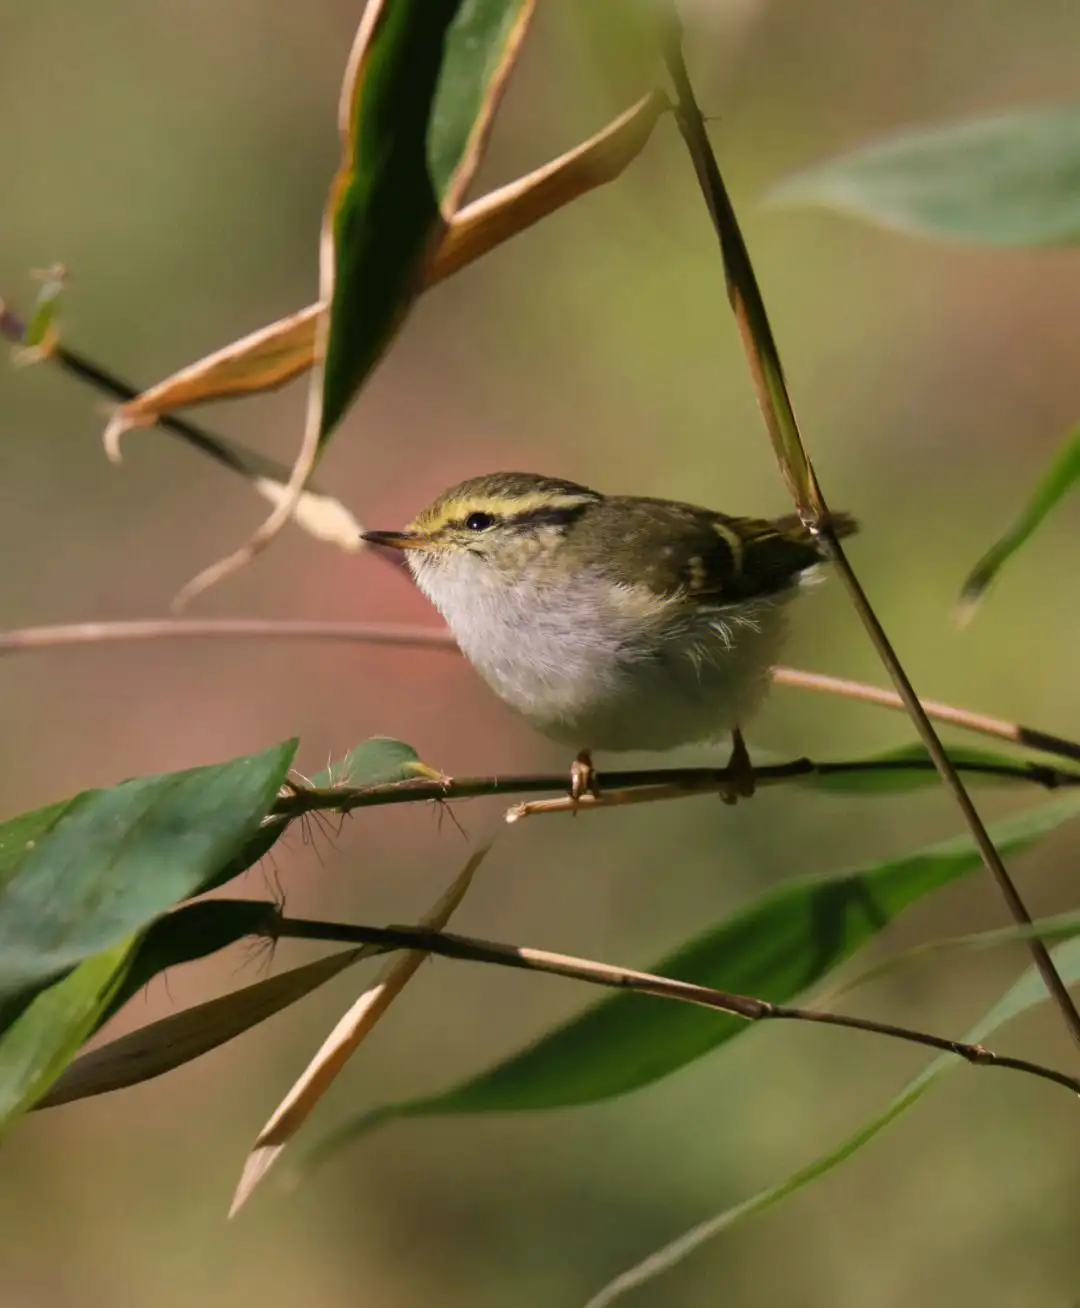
<point x="680" y="547"/>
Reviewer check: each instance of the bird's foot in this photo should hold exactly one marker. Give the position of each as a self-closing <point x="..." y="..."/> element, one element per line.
<point x="583" y="778"/>
<point x="742" y="784"/>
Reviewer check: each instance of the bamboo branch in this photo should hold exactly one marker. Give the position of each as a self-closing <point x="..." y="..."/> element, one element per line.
<point x="773" y="399"/>
<point x="982" y="723"/>
<point x="57" y="635"/>
<point x="747" y="1007"/>
<point x="645" y="785"/>
<point x="230" y="454"/>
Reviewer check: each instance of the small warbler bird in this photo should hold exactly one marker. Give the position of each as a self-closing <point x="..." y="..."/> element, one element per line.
<point x="611" y="622"/>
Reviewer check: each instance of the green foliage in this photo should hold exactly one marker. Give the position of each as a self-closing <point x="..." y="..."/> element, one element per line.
<point x="161" y="1046"/>
<point x="418" y="96"/>
<point x="774" y="950"/>
<point x="79" y="881"/>
<point x="98" y="894"/>
<point x="1002" y="181"/>
<point x="1054" y="485"/>
<point x="46" y="1035"/>
<point x="1028" y="992"/>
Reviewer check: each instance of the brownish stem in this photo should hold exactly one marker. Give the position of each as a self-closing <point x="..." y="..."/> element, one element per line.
<point x="775" y="403"/>
<point x="410" y="636"/>
<point x="983" y="723"/>
<point x="750" y="1009"/>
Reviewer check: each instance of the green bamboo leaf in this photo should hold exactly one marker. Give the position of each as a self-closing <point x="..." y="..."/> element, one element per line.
<point x="161" y="1046"/>
<point x="774" y="950"/>
<point x="41" y="331"/>
<point x="909" y="767"/>
<point x="1005" y="181"/>
<point x="1063" y="927"/>
<point x="1057" y="481"/>
<point x="106" y="864"/>
<point x="1027" y="993"/>
<point x="423" y="82"/>
<point x="379" y="761"/>
<point x="37" y="1047"/>
<point x="189" y="933"/>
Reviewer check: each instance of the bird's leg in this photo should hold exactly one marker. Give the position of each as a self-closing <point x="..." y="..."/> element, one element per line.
<point x="742" y="784"/>
<point x="583" y="779"/>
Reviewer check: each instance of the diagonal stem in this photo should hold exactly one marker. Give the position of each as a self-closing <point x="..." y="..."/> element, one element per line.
<point x="950" y="776"/>
<point x="230" y="454"/>
<point x="774" y="401"/>
<point x="984" y="724"/>
<point x="748" y="1007"/>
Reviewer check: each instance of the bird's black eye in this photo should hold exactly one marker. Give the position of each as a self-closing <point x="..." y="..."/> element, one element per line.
<point x="480" y="521"/>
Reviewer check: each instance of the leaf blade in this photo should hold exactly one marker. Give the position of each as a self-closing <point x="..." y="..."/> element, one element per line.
<point x="114" y="860"/>
<point x="283" y="350"/>
<point x="773" y="950"/>
<point x="39" y="1044"/>
<point x="1028" y="992"/>
<point x="1003" y="181"/>
<point x="416" y="107"/>
<point x="1058" y="480"/>
<point x="344" y="1040"/>
<point x="161" y="1046"/>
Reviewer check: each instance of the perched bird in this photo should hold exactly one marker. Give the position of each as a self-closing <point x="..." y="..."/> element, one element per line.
<point x="611" y="622"/>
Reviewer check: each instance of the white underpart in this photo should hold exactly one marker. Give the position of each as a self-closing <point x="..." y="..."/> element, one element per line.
<point x="608" y="668"/>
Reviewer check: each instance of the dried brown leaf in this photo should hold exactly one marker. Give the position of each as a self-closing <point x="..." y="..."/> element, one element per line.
<point x="283" y="350"/>
<point x="343" y="1042"/>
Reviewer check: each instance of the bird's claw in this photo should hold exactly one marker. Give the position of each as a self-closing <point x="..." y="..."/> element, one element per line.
<point x="583" y="780"/>
<point x="743" y="783"/>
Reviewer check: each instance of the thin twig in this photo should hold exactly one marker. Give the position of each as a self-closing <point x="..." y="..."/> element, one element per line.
<point x="298" y="800"/>
<point x="982" y="723"/>
<point x="750" y="1009"/>
<point x="230" y="454"/>
<point x="408" y="635"/>
<point x="775" y="404"/>
<point x="94" y="633"/>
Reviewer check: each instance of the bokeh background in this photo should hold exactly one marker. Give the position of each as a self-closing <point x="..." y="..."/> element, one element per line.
<point x="175" y="157"/>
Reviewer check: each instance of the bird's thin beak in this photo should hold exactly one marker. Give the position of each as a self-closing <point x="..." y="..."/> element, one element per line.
<point x="397" y="540"/>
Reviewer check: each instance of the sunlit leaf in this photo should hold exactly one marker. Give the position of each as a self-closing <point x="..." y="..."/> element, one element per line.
<point x="1027" y="993"/>
<point x="37" y="1047"/>
<point x="40" y="334"/>
<point x="379" y="761"/>
<point x="513" y="208"/>
<point x="111" y="861"/>
<point x="1008" y="180"/>
<point x="382" y="222"/>
<point x="285" y="349"/>
<point x="403" y="153"/>
<point x="774" y="950"/>
<point x="1058" y="480"/>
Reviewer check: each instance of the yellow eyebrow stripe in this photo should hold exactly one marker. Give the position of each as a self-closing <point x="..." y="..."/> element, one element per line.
<point x="502" y="506"/>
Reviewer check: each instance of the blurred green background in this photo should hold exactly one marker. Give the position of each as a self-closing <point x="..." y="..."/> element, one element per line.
<point x="175" y="157"/>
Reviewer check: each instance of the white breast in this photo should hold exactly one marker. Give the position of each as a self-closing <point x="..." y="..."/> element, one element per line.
<point x="607" y="668"/>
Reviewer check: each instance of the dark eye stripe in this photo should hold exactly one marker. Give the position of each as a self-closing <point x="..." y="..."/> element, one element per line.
<point x="560" y="515"/>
